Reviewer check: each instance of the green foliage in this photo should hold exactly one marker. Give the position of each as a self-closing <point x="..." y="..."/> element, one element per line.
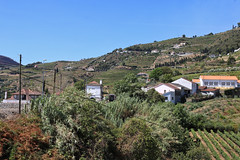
<point x="121" y="109"/>
<point x="166" y="78"/>
<point x="137" y="142"/>
<point x="194" y="153"/>
<point x="231" y="60"/>
<point x="129" y="85"/>
<point x="153" y="96"/>
<point x="158" y="72"/>
<point x="80" y="85"/>
<point x="76" y="125"/>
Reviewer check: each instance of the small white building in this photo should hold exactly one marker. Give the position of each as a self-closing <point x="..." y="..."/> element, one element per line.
<point x="94" y="89"/>
<point x="222" y="82"/>
<point x="171" y="92"/>
<point x="191" y="86"/>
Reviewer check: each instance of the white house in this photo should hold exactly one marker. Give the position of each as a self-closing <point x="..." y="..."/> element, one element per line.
<point x="171" y="92"/>
<point x="222" y="82"/>
<point x="26" y="96"/>
<point x="191" y="86"/>
<point x="94" y="89"/>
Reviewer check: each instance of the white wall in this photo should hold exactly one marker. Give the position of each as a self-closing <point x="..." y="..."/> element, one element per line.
<point x="219" y="83"/>
<point x="94" y="91"/>
<point x="170" y="97"/>
<point x="190" y="85"/>
<point x="160" y="89"/>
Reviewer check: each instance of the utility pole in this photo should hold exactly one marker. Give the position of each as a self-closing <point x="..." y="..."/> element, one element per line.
<point x="43" y="86"/>
<point x="20" y="84"/>
<point x="54" y="80"/>
<point x="60" y="82"/>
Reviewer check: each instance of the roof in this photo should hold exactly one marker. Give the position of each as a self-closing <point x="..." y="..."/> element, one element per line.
<point x="196" y="80"/>
<point x="27" y="92"/>
<point x="219" y="77"/>
<point x="202" y="87"/>
<point x="94" y="83"/>
<point x="179" y="85"/>
<point x="169" y="85"/>
<point x="209" y="90"/>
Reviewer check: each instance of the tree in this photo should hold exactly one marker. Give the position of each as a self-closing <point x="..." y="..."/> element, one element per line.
<point x="183" y="36"/>
<point x="153" y="96"/>
<point x="156" y="73"/>
<point x="231" y="60"/>
<point x="129" y="85"/>
<point x="80" y="85"/>
<point x="166" y="78"/>
<point x="137" y="142"/>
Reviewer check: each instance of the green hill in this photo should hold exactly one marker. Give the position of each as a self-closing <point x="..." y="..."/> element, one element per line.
<point x="190" y="55"/>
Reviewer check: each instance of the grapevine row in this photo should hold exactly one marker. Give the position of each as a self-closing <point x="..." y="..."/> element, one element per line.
<point x="213" y="140"/>
<point x="229" y="150"/>
<point x="215" y="154"/>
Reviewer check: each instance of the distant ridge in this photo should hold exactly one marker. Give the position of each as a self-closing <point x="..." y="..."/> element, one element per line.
<point x="6" y="61"/>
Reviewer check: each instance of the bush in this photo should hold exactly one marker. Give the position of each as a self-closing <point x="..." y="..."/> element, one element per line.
<point x="136" y="141"/>
<point x="77" y="126"/>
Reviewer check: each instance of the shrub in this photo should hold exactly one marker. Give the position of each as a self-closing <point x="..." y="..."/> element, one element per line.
<point x="136" y="141"/>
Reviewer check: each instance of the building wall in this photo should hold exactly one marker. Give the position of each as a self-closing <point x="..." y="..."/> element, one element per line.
<point x="167" y="92"/>
<point x="170" y="97"/>
<point x="187" y="84"/>
<point x="94" y="91"/>
<point x="162" y="88"/>
<point x="218" y="83"/>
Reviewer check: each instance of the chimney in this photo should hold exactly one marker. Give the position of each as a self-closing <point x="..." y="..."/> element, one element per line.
<point x="5" y="95"/>
<point x="100" y="82"/>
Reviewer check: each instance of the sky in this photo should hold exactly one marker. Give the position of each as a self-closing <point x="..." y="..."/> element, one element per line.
<point x="55" y="30"/>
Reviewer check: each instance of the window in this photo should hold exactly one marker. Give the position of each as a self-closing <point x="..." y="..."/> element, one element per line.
<point x="210" y="83"/>
<point x="164" y="91"/>
<point x="223" y="83"/>
<point x="172" y="98"/>
<point x="205" y="83"/>
<point x="228" y="83"/>
<point x="166" y="98"/>
<point x="215" y="83"/>
<point x="232" y="83"/>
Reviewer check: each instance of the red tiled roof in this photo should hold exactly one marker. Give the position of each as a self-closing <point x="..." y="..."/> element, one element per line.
<point x="93" y="83"/>
<point x="202" y="87"/>
<point x="219" y="77"/>
<point x="210" y="89"/>
<point x="196" y="80"/>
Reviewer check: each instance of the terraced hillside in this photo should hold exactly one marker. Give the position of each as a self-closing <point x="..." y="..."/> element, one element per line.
<point x="221" y="145"/>
<point x="190" y="55"/>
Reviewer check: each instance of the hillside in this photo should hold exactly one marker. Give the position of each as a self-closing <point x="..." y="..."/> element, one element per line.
<point x="191" y="56"/>
<point x="6" y="61"/>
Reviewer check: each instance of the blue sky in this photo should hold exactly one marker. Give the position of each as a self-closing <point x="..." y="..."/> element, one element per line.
<point x="76" y="29"/>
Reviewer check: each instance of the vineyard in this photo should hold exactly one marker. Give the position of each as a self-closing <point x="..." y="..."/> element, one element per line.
<point x="220" y="145"/>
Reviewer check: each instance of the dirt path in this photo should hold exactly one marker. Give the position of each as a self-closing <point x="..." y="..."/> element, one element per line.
<point x="205" y="145"/>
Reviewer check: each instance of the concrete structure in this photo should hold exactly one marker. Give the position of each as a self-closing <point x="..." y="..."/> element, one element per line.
<point x="222" y="82"/>
<point x="26" y="96"/>
<point x="171" y="92"/>
<point x="190" y="86"/>
<point x="94" y="89"/>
